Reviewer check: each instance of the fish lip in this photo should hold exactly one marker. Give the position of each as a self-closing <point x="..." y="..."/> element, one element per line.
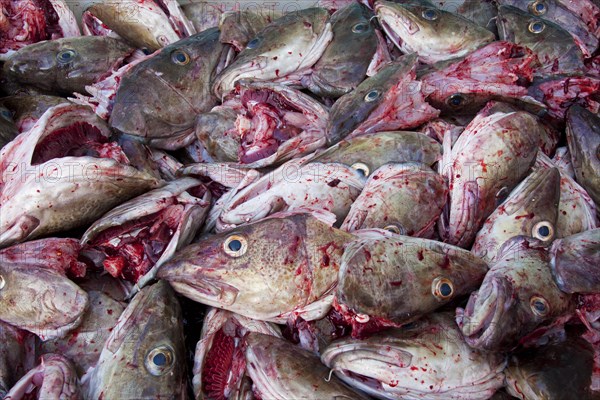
<point x="484" y="331"/>
<point x="201" y="289"/>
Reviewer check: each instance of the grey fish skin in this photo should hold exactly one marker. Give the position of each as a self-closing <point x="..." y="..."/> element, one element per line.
<point x="84" y="344"/>
<point x="177" y="87"/>
<point x="413" y="363"/>
<point x="282" y="371"/>
<point x="408" y="197"/>
<point x="389" y="100"/>
<point x="397" y="279"/>
<point x="434" y="34"/>
<point x="343" y="65"/>
<point x="289" y="45"/>
<point x="239" y="27"/>
<point x="376" y="149"/>
<point x="555" y="47"/>
<point x="530" y="210"/>
<point x="583" y="138"/>
<point x="483" y="13"/>
<point x="555" y="371"/>
<point x="17" y="355"/>
<point x="575" y="262"/>
<point x="556" y="11"/>
<point x="144" y="354"/>
<point x="292" y="260"/>
<point x="28" y="109"/>
<point x="54" y="378"/>
<point x="67" y="65"/>
<point x="517" y="295"/>
<point x="8" y="129"/>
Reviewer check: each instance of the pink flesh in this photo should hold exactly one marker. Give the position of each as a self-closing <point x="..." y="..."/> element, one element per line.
<point x="222" y="358"/>
<point x="361" y="330"/>
<point x="559" y="95"/>
<point x="26" y="22"/>
<point x="135" y="255"/>
<point x="78" y="139"/>
<point x="266" y="110"/>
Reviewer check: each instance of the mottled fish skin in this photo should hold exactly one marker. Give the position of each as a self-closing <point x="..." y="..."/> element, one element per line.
<point x="405" y="197"/>
<point x="575" y="261"/>
<point x="389" y="100"/>
<point x="282" y="371"/>
<point x="17" y="355"/>
<point x="556" y="11"/>
<point x="177" y="80"/>
<point x="517" y="296"/>
<point x="145" y="24"/>
<point x="67" y="65"/>
<point x="144" y="354"/>
<point x="583" y="138"/>
<point x="394" y="280"/>
<point x="556" y="49"/>
<point x="531" y="210"/>
<point x="434" y="34"/>
<point x="239" y="27"/>
<point x="491" y="156"/>
<point x="84" y="344"/>
<point x="221" y="343"/>
<point x="343" y="65"/>
<point x="53" y="378"/>
<point x="293" y="260"/>
<point x="412" y="363"/>
<point x="483" y="13"/>
<point x="554" y="371"/>
<point x="368" y="152"/>
<point x="289" y="45"/>
<point x="44" y="190"/>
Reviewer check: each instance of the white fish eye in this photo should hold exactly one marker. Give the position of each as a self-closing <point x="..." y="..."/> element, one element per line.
<point x="430" y="14"/>
<point x="538" y="7"/>
<point x="455" y="100"/>
<point x="536" y="26"/>
<point x="159" y="360"/>
<point x="372" y="95"/>
<point x="2" y="282"/>
<point x="180" y="57"/>
<point x="66" y="56"/>
<point x="253" y="43"/>
<point x="543" y="231"/>
<point x="360" y="27"/>
<point x="361" y="168"/>
<point x="235" y="246"/>
<point x="539" y="306"/>
<point x="442" y="288"/>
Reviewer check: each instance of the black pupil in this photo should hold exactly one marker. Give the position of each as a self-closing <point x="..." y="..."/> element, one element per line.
<point x="252" y="43"/>
<point x="537" y="26"/>
<point x="372" y="95"/>
<point x="455" y="100"/>
<point x="430" y="14"/>
<point x="180" y="57"/>
<point x="539" y="7"/>
<point x="544" y="231"/>
<point x="360" y="27"/>
<point x="361" y="171"/>
<point x="66" y="55"/>
<point x="539" y="306"/>
<point x="235" y="245"/>
<point x="445" y="289"/>
<point x="160" y="359"/>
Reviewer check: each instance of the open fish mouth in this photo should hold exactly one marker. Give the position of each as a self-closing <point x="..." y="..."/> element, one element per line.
<point x="208" y="291"/>
<point x="479" y="321"/>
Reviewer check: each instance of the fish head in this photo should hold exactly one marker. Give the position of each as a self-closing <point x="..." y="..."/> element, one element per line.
<point x="144" y="355"/>
<point x="66" y="65"/>
<point x="434" y="34"/>
<point x="176" y="89"/>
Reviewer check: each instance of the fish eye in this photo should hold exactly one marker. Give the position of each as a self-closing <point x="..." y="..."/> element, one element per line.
<point x="456" y="100"/>
<point x="394" y="229"/>
<point x="539" y="306"/>
<point x="180" y="57"/>
<point x="66" y="56"/>
<point x="442" y="288"/>
<point x="430" y="14"/>
<point x="501" y="195"/>
<point x="6" y="114"/>
<point x="538" y="7"/>
<point x="361" y="168"/>
<point x="2" y="282"/>
<point x="360" y="27"/>
<point x="235" y="246"/>
<point x="536" y="27"/>
<point x="372" y="95"/>
<point x="159" y="360"/>
<point x="253" y="43"/>
<point x="543" y="231"/>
